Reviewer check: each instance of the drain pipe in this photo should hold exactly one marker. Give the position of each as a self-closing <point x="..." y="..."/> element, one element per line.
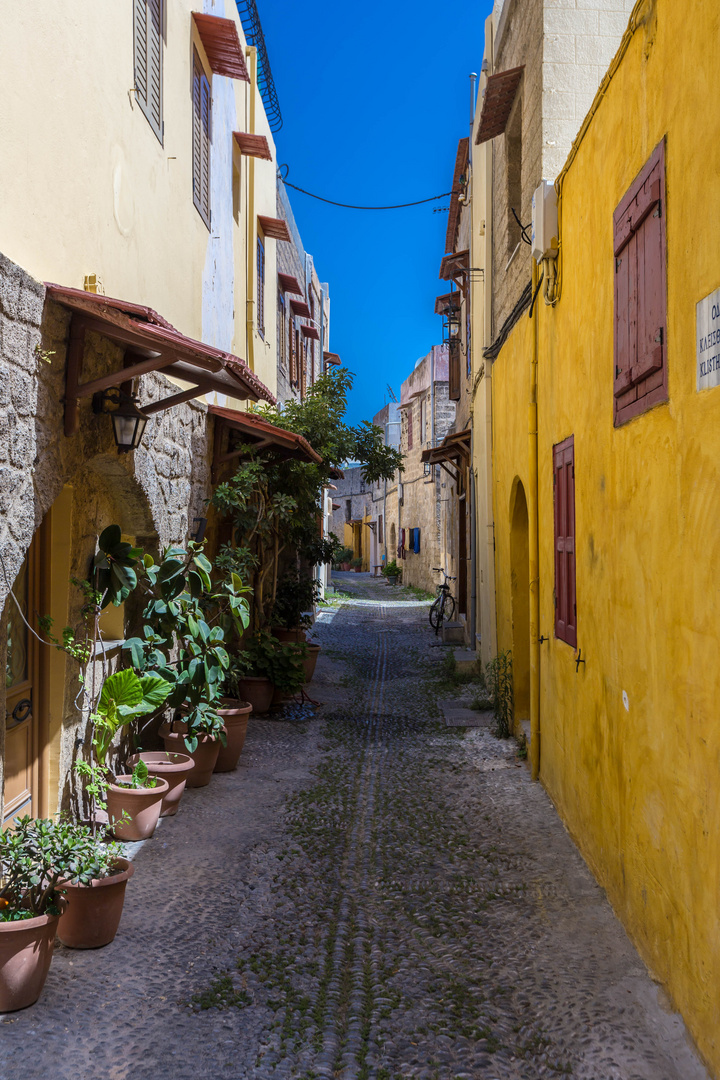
<point x="251" y="53"/>
<point x="534" y="559"/>
<point x="471" y="473"/>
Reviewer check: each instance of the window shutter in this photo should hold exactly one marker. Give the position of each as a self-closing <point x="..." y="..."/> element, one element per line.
<point x="410" y="429"/>
<point x="564" y="507"/>
<point x="148" y="59"/>
<point x="640" y="343"/>
<point x="201" y="140"/>
<point x="380" y="529"/>
<point x="454" y="370"/>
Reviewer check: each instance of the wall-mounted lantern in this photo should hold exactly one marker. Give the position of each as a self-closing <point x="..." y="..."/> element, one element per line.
<point x="127" y="420"/>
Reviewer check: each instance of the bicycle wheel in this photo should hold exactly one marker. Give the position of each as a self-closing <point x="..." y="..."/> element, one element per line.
<point x="449" y="608"/>
<point x="436" y="615"/>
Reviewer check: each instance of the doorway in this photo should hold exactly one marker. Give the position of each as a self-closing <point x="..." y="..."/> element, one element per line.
<point x="520" y="593"/>
<point x="25" y="705"/>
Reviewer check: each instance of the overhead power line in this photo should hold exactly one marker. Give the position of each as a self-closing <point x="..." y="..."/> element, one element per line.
<point x="353" y="206"/>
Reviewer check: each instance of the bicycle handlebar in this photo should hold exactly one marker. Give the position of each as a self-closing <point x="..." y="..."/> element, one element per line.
<point x="441" y="571"/>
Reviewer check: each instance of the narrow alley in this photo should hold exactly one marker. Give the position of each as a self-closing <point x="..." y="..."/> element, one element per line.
<point x="372" y="894"/>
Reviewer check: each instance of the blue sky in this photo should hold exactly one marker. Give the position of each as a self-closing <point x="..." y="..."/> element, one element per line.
<point x="374" y="99"/>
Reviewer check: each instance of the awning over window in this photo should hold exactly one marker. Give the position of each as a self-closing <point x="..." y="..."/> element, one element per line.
<point x="310" y="331"/>
<point x="253" y="145"/>
<point x="151" y="344"/>
<point x="449" y="300"/>
<point x="300" y="307"/>
<point x="452" y="448"/>
<point x="275" y="228"/>
<point x="332" y="358"/>
<point x="233" y="427"/>
<point x="459" y="177"/>
<point x="454" y="264"/>
<point x="221" y="42"/>
<point x="500" y="91"/>
<point x="290" y="284"/>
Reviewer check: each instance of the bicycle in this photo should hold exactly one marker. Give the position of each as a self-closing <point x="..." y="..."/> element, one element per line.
<point x="444" y="606"/>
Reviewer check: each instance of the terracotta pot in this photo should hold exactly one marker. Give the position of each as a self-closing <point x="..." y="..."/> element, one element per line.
<point x="143" y="805"/>
<point x="296" y="633"/>
<point x="93" y="911"/>
<point x="235" y="715"/>
<point x="345" y="566"/>
<point x="257" y="690"/>
<point x="171" y="767"/>
<point x="310" y="661"/>
<point x="279" y="697"/>
<point x="357" y="569"/>
<point x="26" y="949"/>
<point x="203" y="756"/>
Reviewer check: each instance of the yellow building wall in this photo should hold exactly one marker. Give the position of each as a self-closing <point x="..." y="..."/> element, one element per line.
<point x="639" y="788"/>
<point x="87" y="188"/>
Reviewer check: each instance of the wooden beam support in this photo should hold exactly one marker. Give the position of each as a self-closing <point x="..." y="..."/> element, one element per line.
<point x="73" y="371"/>
<point x="175" y="399"/>
<point x="116" y="378"/>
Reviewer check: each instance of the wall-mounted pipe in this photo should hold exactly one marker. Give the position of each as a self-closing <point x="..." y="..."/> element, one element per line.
<point x="251" y="54"/>
<point x="534" y="553"/>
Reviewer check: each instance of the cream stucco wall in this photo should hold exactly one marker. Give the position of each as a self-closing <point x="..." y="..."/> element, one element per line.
<point x="87" y="188"/>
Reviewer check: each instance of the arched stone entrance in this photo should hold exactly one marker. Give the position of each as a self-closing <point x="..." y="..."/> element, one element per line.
<point x="520" y="592"/>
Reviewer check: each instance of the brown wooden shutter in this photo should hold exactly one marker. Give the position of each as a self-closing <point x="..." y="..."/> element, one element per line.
<point x="148" y="60"/>
<point x="201" y="140"/>
<point x="293" y="364"/>
<point x="380" y="529"/>
<point x="454" y="370"/>
<point x="260" y="287"/>
<point x="564" y="505"/>
<point x="410" y="428"/>
<point x="640" y="340"/>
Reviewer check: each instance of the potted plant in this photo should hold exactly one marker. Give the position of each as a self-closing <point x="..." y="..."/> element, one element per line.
<point x="392" y="572"/>
<point x="356" y="565"/>
<point x="310" y="660"/>
<point x="134" y="801"/>
<point x="344" y="557"/>
<point x="268" y="670"/>
<point x="295" y="599"/>
<point x="170" y="766"/>
<point x="235" y="713"/>
<point x="94" y="886"/>
<point x="288" y="670"/>
<point x="35" y="856"/>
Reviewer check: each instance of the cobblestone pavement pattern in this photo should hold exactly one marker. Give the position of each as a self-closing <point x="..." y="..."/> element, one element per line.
<point x="371" y="895"/>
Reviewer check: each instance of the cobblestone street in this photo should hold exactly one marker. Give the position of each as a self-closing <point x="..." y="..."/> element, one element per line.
<point x="371" y="895"/>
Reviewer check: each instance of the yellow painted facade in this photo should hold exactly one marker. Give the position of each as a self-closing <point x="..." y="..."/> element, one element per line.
<point x="88" y="189"/>
<point x="638" y="784"/>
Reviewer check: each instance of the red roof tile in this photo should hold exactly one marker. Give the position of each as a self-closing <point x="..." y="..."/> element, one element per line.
<point x="221" y="42"/>
<point x="310" y="331"/>
<point x="150" y="335"/>
<point x="274" y="227"/>
<point x="453" y="299"/>
<point x="461" y="164"/>
<point x="299" y="307"/>
<point x="256" y="430"/>
<point x="452" y="263"/>
<point x="253" y="145"/>
<point x="289" y="284"/>
<point x="500" y="91"/>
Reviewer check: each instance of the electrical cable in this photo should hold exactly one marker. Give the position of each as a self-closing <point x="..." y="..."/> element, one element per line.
<point x="523" y="228"/>
<point x="535" y="294"/>
<point x="352" y="206"/>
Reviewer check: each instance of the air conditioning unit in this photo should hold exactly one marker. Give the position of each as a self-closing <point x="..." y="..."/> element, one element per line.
<point x="544" y="221"/>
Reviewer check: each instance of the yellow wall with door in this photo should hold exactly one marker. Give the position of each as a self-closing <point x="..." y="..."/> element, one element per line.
<point x="639" y="787"/>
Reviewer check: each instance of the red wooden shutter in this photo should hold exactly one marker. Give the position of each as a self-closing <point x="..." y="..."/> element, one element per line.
<point x="564" y="500"/>
<point x="640" y="294"/>
<point x="454" y="370"/>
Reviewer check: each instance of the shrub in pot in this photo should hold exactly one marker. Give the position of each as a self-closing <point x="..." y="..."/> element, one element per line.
<point x="296" y="596"/>
<point x="35" y="856"/>
<point x="199" y="732"/>
<point x="356" y="565"/>
<point x="392" y="572"/>
<point x="266" y="658"/>
<point x="94" y="888"/>
<point x="310" y="660"/>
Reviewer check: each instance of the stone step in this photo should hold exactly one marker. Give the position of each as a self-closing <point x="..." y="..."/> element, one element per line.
<point x="453" y="633"/>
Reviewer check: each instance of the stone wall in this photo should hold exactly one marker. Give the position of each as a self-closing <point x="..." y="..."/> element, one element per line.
<point x="153" y="494"/>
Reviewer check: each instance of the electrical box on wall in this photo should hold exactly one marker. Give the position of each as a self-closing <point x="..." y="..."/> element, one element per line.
<point x="544" y="221"/>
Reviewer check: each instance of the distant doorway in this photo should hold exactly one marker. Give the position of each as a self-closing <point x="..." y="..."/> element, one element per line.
<point x="520" y="592"/>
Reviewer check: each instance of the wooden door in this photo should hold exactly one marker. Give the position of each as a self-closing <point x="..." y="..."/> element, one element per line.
<point x="23" y="749"/>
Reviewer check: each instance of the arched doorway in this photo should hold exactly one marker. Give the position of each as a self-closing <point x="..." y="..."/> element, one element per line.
<point x="520" y="592"/>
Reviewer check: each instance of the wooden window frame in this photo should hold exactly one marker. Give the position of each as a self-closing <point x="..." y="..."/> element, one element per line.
<point x="260" y="266"/>
<point x="640" y="365"/>
<point x="281" y="319"/>
<point x="148" y="23"/>
<point x="201" y="140"/>
<point x="565" y="592"/>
